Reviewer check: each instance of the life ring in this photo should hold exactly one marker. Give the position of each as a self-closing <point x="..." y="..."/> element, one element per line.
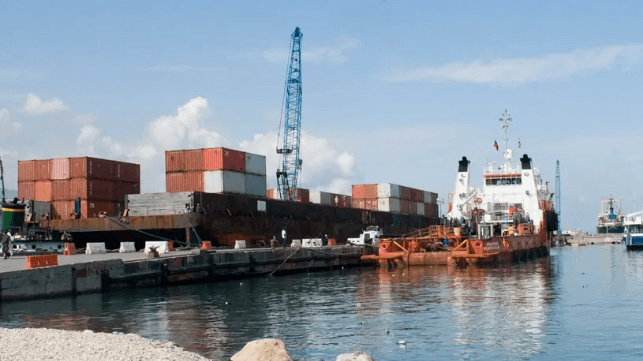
<point x="478" y="200"/>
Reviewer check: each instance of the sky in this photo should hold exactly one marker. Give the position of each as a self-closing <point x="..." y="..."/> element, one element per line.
<point x="393" y="91"/>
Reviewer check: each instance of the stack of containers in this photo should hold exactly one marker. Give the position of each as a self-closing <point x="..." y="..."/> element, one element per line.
<point x="330" y="199"/>
<point x="393" y="198"/>
<point x="100" y="184"/>
<point x="302" y="195"/>
<point x="215" y="170"/>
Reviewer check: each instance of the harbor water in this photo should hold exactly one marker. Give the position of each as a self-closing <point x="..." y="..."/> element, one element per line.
<point x="579" y="303"/>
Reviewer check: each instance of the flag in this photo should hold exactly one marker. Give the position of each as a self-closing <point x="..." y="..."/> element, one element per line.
<point x="519" y="145"/>
<point x="495" y="144"/>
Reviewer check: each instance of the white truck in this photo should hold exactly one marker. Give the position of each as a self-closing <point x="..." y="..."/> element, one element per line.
<point x="370" y="237"/>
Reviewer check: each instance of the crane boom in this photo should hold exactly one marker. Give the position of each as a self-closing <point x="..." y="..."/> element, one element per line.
<point x="558" y="195"/>
<point x="290" y="161"/>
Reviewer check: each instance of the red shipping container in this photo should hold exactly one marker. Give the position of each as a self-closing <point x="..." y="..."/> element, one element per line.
<point x="91" y="189"/>
<point x="26" y="170"/>
<point x="270" y="193"/>
<point x="61" y="209"/>
<point x="90" y="209"/>
<point x="127" y="172"/>
<point x="302" y="195"/>
<point x="359" y="203"/>
<point x="42" y="191"/>
<point x="43" y="169"/>
<point x="405" y="206"/>
<point x="405" y="193"/>
<point x="365" y="191"/>
<point x="27" y="190"/>
<point x="184" y="182"/>
<point x="91" y="168"/>
<point x="121" y="189"/>
<point x="184" y="160"/>
<point x="60" y="190"/>
<point x="224" y="159"/>
<point x="371" y="204"/>
<point x="60" y="168"/>
<point x="420" y="196"/>
<point x="430" y="210"/>
<point x="346" y="201"/>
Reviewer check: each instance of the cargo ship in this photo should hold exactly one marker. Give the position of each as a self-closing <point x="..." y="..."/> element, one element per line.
<point x="610" y="220"/>
<point x="510" y="217"/>
<point x="212" y="194"/>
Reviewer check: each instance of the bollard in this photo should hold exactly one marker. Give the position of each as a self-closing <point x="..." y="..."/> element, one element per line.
<point x="206" y="245"/>
<point x="70" y="249"/>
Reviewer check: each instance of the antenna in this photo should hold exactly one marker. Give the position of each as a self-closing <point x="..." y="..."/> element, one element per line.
<point x="506" y="118"/>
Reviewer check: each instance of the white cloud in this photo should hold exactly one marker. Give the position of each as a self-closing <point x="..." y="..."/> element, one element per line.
<point x="6" y="125"/>
<point x="324" y="168"/>
<point x="34" y="105"/>
<point x="526" y="70"/>
<point x="333" y="55"/>
<point x="83" y="119"/>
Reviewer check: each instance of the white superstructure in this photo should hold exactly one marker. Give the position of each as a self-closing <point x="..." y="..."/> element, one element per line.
<point x="510" y="195"/>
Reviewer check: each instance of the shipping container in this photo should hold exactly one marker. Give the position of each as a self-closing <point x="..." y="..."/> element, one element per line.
<point x="90" y="209"/>
<point x="255" y="164"/>
<point x="187" y="160"/>
<point x="26" y="170"/>
<point x="121" y="189"/>
<point x="224" y="159"/>
<point x="61" y="190"/>
<point x="91" y="168"/>
<point x="60" y="169"/>
<point x="370" y="204"/>
<point x="127" y="172"/>
<point x="270" y="193"/>
<point x="184" y="182"/>
<point x="405" y="193"/>
<point x="358" y="203"/>
<point x="223" y="181"/>
<point x="431" y="210"/>
<point x="256" y="185"/>
<point x="320" y="197"/>
<point x="433" y="199"/>
<point x="427" y="196"/>
<point x="345" y="201"/>
<point x="419" y="209"/>
<point x="405" y="206"/>
<point x="62" y="209"/>
<point x="43" y="169"/>
<point x="92" y="189"/>
<point x="26" y="190"/>
<point x="43" y="191"/>
<point x="365" y="191"/>
<point x="302" y="195"/>
<point x="388" y="190"/>
<point x="392" y="205"/>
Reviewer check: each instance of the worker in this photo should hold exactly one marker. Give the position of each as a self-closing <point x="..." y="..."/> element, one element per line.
<point x="6" y="244"/>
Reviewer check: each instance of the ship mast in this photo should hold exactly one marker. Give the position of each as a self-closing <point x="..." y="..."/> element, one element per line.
<point x="506" y="118"/>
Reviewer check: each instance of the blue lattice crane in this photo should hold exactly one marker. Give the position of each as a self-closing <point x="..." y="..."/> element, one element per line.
<point x="558" y="194"/>
<point x="291" y="116"/>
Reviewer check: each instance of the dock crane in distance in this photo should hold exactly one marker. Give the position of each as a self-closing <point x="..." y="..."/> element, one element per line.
<point x="290" y="161"/>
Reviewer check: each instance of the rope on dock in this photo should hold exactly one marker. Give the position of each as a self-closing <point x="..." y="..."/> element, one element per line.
<point x="284" y="262"/>
<point x="145" y="233"/>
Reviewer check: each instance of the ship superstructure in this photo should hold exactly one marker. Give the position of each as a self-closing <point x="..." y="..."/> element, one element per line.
<point x="610" y="220"/>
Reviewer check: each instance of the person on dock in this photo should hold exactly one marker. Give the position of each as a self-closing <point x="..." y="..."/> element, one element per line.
<point x="6" y="244"/>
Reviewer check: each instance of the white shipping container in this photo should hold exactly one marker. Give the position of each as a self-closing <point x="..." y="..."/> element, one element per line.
<point x="224" y="181"/>
<point x="320" y="197"/>
<point x="420" y="209"/>
<point x="256" y="185"/>
<point x="427" y="197"/>
<point x="393" y="205"/>
<point x="388" y="190"/>
<point x="255" y="164"/>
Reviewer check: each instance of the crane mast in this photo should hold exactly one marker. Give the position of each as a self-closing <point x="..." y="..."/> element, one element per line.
<point x="558" y="194"/>
<point x="290" y="161"/>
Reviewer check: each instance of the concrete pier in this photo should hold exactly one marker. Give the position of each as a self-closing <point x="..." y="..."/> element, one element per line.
<point x="84" y="273"/>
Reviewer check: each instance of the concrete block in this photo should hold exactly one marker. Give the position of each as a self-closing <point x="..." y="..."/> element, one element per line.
<point x="95" y="248"/>
<point x="127" y="247"/>
<point x="311" y="242"/>
<point x="240" y="245"/>
<point x="161" y="246"/>
<point x="295" y="243"/>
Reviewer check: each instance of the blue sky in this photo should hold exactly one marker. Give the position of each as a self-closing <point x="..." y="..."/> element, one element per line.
<point x="393" y="91"/>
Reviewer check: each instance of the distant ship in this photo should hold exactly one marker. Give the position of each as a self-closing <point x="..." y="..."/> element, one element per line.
<point x="610" y="220"/>
<point x="633" y="233"/>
